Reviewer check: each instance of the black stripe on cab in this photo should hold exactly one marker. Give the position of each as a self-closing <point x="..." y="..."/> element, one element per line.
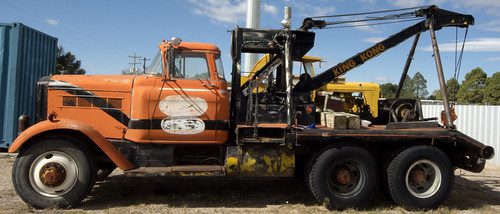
<point x="156" y="124"/>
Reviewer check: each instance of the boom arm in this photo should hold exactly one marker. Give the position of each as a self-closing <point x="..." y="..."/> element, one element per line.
<point x="440" y="18"/>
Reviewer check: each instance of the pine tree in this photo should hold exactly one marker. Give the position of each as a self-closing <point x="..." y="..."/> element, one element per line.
<point x="472" y="88"/>
<point x="66" y="63"/>
<point x="407" y="90"/>
<point x="419" y="86"/>
<point x="492" y="90"/>
<point x="388" y="90"/>
<point x="452" y="87"/>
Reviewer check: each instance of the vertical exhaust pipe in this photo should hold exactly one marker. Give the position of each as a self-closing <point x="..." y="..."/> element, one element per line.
<point x="288" y="65"/>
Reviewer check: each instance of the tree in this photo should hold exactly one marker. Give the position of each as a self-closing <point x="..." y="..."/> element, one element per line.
<point x="472" y="88"/>
<point x="492" y="90"/>
<point x="388" y="90"/>
<point x="127" y="72"/>
<point x="432" y="96"/>
<point x="452" y="87"/>
<point x="66" y="63"/>
<point x="419" y="86"/>
<point x="408" y="87"/>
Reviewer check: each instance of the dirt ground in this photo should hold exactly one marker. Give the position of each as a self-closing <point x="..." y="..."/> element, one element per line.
<point x="473" y="193"/>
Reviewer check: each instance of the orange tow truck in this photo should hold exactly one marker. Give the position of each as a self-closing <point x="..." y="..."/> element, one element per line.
<point x="183" y="121"/>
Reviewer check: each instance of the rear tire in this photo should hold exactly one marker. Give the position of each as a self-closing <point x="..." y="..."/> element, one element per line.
<point x="344" y="177"/>
<point x="420" y="177"/>
<point x="53" y="173"/>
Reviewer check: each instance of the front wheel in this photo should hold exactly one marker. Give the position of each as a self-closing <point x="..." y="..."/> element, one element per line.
<point x="420" y="177"/>
<point x="53" y="173"/>
<point x="343" y="177"/>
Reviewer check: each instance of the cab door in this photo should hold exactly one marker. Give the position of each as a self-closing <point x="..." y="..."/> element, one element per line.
<point x="184" y="106"/>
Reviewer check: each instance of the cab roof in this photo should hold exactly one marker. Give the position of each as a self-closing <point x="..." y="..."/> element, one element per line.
<point x="194" y="46"/>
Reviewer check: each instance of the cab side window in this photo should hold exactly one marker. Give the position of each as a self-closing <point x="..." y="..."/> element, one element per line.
<point x="190" y="65"/>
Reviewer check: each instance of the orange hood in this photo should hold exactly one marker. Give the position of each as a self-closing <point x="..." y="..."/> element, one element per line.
<point x="121" y="83"/>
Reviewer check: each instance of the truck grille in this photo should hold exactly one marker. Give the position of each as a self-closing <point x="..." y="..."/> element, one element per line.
<point x="91" y="102"/>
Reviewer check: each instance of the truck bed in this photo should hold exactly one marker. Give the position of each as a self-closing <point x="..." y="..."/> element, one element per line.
<point x="385" y="133"/>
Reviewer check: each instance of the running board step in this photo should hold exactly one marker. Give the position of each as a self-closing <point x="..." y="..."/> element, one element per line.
<point x="187" y="170"/>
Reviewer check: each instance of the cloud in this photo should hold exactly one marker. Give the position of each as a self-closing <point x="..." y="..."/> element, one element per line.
<point x="492" y="7"/>
<point x="322" y="11"/>
<point x="362" y="26"/>
<point x="406" y="3"/>
<point x="491" y="26"/>
<point x="368" y="1"/>
<point x="373" y="39"/>
<point x="493" y="58"/>
<point x="304" y="9"/>
<point x="479" y="3"/>
<point x="473" y="45"/>
<point x="383" y="79"/>
<point x="269" y="8"/>
<point x="222" y="11"/>
<point x="51" y="21"/>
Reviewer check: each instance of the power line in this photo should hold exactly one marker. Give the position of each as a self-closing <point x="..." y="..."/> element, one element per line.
<point x="144" y="64"/>
<point x="134" y="62"/>
<point x="63" y="29"/>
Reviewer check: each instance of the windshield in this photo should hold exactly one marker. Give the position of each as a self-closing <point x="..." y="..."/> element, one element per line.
<point x="155" y="67"/>
<point x="187" y="65"/>
<point x="309" y="68"/>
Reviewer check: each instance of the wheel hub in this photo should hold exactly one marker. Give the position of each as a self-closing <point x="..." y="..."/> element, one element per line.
<point x="344" y="176"/>
<point x="418" y="177"/>
<point x="423" y="178"/>
<point x="52" y="174"/>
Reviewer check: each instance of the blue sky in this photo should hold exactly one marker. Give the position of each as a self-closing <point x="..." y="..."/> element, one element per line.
<point x="102" y="34"/>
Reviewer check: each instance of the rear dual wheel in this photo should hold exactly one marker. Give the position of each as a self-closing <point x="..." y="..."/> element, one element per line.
<point x="53" y="173"/>
<point x="420" y="177"/>
<point x="343" y="177"/>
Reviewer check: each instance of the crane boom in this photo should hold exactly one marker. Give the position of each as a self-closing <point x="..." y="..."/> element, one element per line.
<point x="440" y="18"/>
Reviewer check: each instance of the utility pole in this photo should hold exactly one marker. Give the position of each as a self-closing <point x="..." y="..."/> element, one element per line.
<point x="134" y="63"/>
<point x="144" y="64"/>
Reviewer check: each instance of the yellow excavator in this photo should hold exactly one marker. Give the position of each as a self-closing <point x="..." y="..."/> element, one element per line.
<point x="359" y="98"/>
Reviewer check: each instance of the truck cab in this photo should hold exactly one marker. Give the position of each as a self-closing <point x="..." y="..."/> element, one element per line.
<point x="187" y="97"/>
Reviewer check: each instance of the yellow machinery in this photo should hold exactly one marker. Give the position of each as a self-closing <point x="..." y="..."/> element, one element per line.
<point x="354" y="97"/>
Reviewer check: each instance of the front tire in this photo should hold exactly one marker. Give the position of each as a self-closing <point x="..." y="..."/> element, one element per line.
<point x="53" y="173"/>
<point x="420" y="177"/>
<point x="344" y="177"/>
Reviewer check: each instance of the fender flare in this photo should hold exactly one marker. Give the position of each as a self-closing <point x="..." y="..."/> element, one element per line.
<point x="116" y="156"/>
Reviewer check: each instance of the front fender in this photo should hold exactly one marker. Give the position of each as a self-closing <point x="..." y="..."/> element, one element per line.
<point x="59" y="124"/>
